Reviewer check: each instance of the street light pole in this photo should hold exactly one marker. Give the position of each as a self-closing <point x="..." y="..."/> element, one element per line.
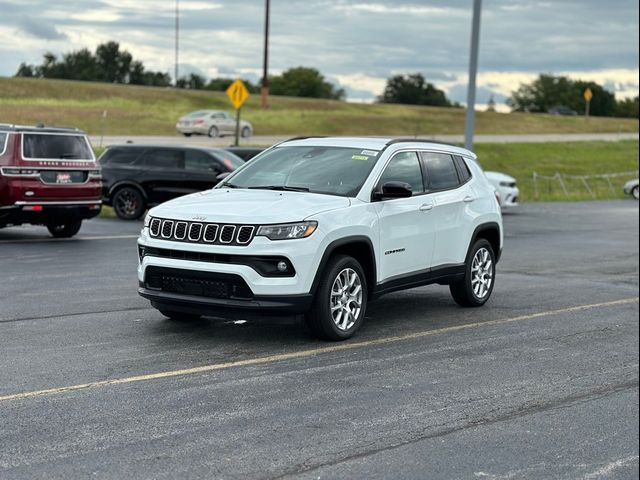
<point x="473" y="68"/>
<point x="264" y="91"/>
<point x="177" y="29"/>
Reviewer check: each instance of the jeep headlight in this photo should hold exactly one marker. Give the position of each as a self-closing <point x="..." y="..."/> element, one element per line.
<point x="147" y="221"/>
<point x="288" y="230"/>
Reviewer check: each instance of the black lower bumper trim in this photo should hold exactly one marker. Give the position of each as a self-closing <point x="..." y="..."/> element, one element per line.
<point x="50" y="214"/>
<point x="258" y="306"/>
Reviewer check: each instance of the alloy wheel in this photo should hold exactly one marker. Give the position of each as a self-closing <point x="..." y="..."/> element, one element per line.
<point x="481" y="273"/>
<point x="346" y="299"/>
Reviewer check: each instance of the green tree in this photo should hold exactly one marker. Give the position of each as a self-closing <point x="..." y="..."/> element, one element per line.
<point x="25" y="70"/>
<point x="548" y="91"/>
<point x="627" y="108"/>
<point x="113" y="64"/>
<point x="413" y="89"/>
<point x="304" y="82"/>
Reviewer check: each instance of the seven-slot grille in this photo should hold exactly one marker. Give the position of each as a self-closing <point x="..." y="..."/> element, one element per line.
<point x="198" y="232"/>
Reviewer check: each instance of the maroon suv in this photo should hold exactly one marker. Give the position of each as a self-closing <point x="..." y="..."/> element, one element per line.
<point x="48" y="176"/>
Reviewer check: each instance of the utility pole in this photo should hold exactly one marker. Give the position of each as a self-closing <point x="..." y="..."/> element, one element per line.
<point x="473" y="68"/>
<point x="264" y="91"/>
<point x="177" y="39"/>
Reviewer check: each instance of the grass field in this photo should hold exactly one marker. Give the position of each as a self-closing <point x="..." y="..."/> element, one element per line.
<point x="138" y="110"/>
<point x="521" y="160"/>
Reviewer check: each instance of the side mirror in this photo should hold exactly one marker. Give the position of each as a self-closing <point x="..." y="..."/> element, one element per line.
<point x="393" y="190"/>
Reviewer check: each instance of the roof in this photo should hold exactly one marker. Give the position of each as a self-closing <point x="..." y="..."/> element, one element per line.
<point x="6" y="127"/>
<point x="377" y="143"/>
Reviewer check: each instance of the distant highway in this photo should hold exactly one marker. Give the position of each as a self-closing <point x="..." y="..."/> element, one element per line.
<point x="266" y="140"/>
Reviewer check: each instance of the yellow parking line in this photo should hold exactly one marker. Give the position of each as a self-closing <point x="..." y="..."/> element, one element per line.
<point x="309" y="353"/>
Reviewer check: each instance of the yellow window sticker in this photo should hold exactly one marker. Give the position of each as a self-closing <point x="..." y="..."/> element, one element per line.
<point x="359" y="157"/>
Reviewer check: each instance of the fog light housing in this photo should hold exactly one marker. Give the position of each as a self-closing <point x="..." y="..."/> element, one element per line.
<point x="282" y="266"/>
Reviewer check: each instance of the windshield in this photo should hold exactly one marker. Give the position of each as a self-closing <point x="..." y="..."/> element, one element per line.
<point x="329" y="170"/>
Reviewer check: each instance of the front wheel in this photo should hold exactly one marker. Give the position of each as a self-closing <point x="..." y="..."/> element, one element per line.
<point x="480" y="271"/>
<point x="246" y="132"/>
<point x="340" y="302"/>
<point x="65" y="230"/>
<point x="636" y="193"/>
<point x="213" y="132"/>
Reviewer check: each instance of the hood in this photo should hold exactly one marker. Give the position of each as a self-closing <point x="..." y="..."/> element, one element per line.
<point x="499" y="177"/>
<point x="225" y="205"/>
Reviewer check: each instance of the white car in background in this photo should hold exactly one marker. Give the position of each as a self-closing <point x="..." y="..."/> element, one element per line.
<point x="506" y="186"/>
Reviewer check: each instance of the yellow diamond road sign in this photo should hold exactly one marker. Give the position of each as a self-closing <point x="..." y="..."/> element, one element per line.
<point x="237" y="93"/>
<point x="588" y="94"/>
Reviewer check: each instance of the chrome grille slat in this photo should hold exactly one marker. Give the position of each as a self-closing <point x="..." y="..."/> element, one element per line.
<point x="195" y="229"/>
<point x="167" y="229"/>
<point x="180" y="231"/>
<point x="203" y="233"/>
<point x="210" y="233"/>
<point x="227" y="233"/>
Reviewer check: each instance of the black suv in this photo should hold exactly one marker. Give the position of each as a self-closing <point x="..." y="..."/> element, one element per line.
<point x="135" y="177"/>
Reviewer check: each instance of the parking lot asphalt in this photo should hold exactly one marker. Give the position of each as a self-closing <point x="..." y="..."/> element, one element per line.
<point x="542" y="382"/>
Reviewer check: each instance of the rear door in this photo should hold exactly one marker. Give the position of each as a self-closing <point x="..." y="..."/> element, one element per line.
<point x="452" y="196"/>
<point x="161" y="173"/>
<point x="406" y="229"/>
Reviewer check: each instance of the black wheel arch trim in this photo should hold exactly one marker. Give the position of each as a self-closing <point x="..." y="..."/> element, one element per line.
<point x="127" y="183"/>
<point x="483" y="227"/>
<point x="341" y="242"/>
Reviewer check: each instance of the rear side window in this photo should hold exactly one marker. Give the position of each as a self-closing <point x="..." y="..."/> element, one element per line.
<point x="163" y="158"/>
<point x="3" y="142"/>
<point x="56" y="147"/>
<point x="120" y="156"/>
<point x="441" y="171"/>
<point x="404" y="167"/>
<point x="463" y="170"/>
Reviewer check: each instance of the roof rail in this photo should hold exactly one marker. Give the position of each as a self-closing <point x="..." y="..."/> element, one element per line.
<point x="37" y="128"/>
<point x="407" y="140"/>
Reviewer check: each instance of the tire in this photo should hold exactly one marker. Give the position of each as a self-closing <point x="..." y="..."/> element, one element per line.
<point x="65" y="230"/>
<point x="179" y="316"/>
<point x="337" y="325"/>
<point x="128" y="203"/>
<point x="479" y="278"/>
<point x="213" y="132"/>
<point x="635" y="192"/>
<point x="187" y="134"/>
<point x="245" y="132"/>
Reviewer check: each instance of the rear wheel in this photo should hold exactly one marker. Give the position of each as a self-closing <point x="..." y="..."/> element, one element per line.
<point x="480" y="270"/>
<point x="179" y="316"/>
<point x="213" y="132"/>
<point x="340" y="302"/>
<point x="187" y="134"/>
<point x="65" y="230"/>
<point x="128" y="203"/>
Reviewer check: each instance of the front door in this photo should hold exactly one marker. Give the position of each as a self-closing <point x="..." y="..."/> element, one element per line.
<point x="405" y="226"/>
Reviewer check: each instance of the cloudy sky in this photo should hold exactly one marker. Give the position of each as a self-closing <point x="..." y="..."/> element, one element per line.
<point x="354" y="43"/>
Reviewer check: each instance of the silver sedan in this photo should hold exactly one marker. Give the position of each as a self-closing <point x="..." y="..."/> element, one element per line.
<point x="213" y="123"/>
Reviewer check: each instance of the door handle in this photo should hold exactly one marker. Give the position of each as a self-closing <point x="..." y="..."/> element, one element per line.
<point x="425" y="207"/>
<point x="468" y="199"/>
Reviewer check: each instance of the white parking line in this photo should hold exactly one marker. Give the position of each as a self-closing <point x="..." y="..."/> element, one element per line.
<point x="307" y="353"/>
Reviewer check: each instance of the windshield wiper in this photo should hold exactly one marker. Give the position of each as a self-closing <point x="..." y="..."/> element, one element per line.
<point x="230" y="185"/>
<point x="283" y="188"/>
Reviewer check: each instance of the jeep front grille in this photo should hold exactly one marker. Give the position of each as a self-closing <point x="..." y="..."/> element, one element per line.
<point x="198" y="232"/>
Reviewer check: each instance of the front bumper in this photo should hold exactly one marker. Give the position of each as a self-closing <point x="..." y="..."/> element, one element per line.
<point x="259" y="291"/>
<point x="509" y="196"/>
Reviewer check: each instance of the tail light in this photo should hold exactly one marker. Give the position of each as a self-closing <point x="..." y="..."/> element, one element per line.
<point x="198" y="122"/>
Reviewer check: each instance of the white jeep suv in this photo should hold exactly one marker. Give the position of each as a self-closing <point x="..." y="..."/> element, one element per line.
<point x="320" y="226"/>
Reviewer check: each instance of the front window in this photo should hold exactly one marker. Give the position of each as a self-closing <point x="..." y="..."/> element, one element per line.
<point x="329" y="170"/>
<point x="56" y="147"/>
